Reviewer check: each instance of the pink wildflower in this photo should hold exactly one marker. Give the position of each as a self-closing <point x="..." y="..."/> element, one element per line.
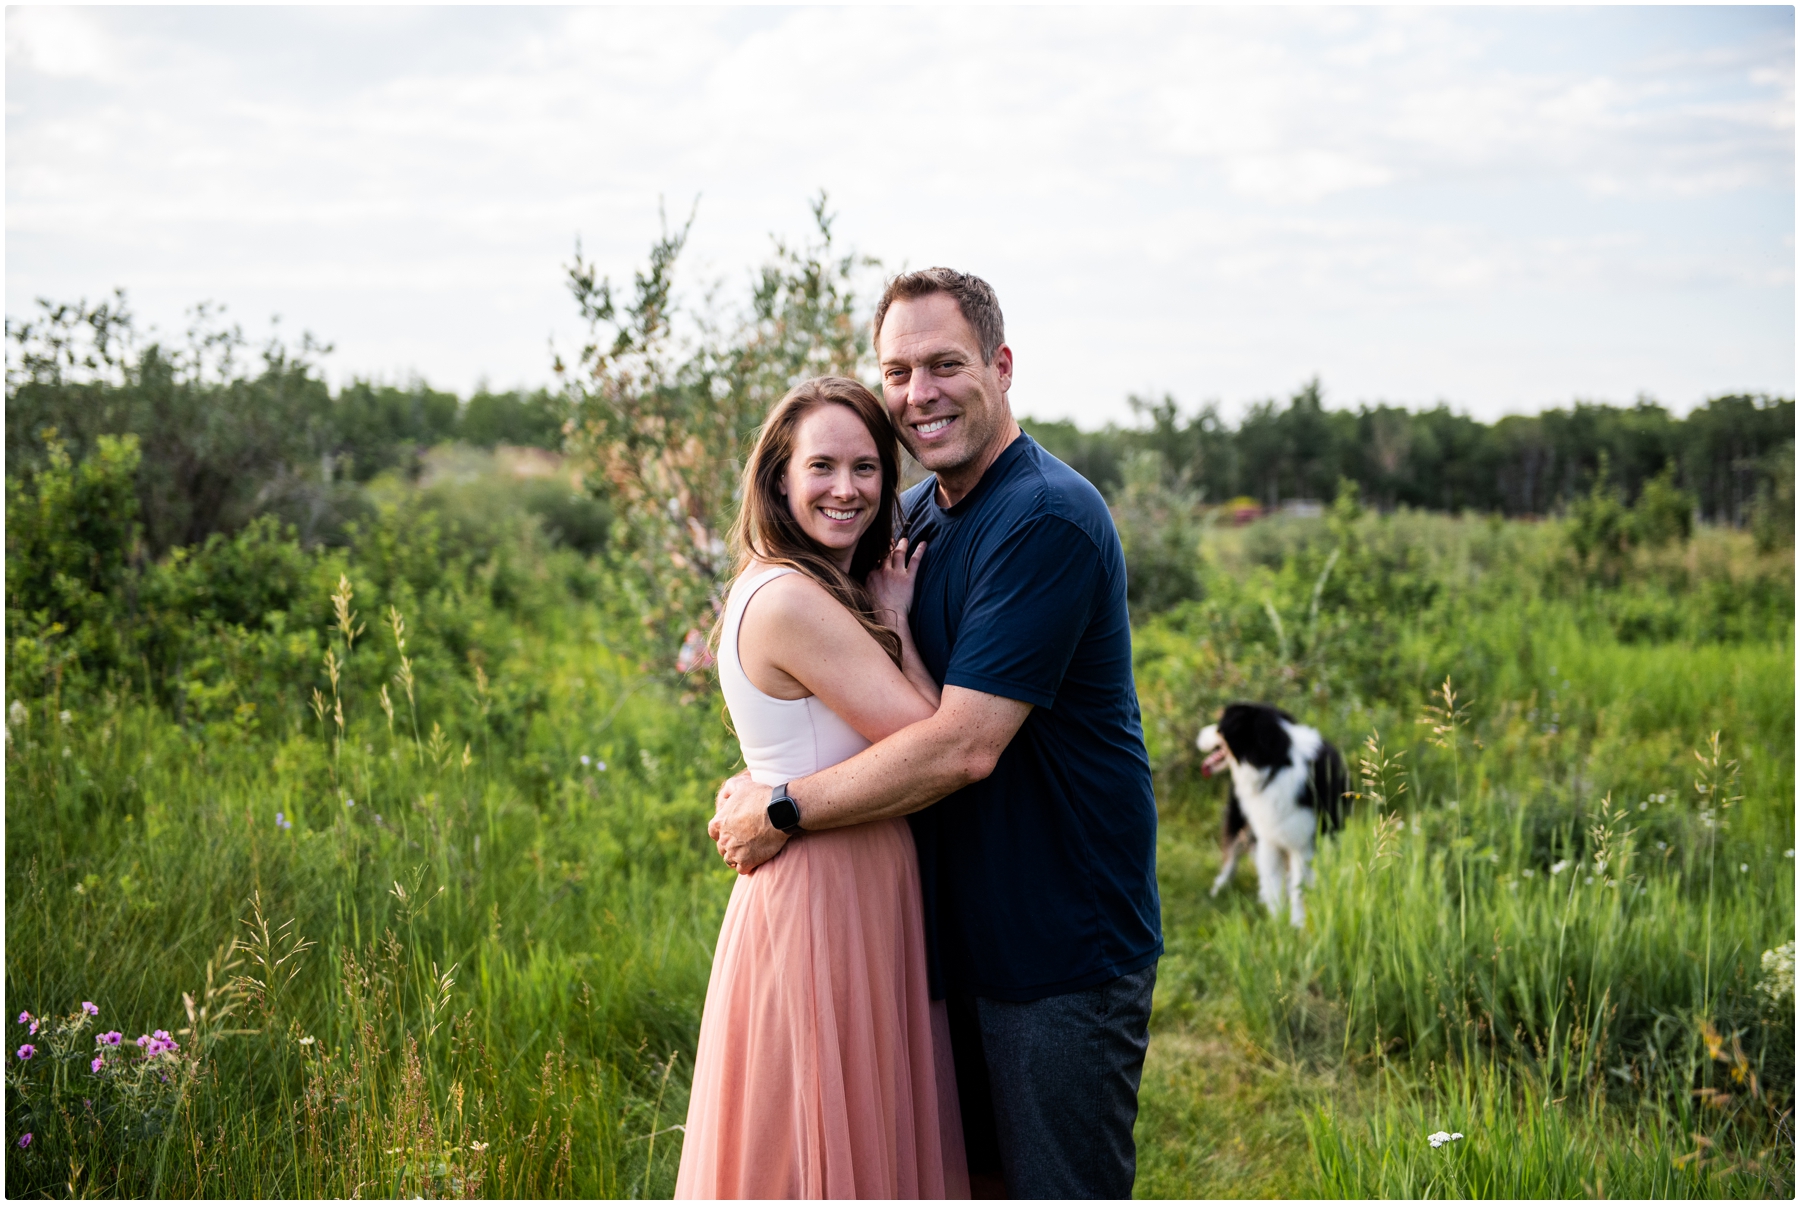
<point x="90" y="1008"/>
<point x="24" y="1141"/>
<point x="97" y="1063"/>
<point x="26" y="1051"/>
<point x="110" y="1038"/>
<point x="24" y="1018"/>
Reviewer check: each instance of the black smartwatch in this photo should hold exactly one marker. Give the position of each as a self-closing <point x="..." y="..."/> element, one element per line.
<point x="784" y="813"/>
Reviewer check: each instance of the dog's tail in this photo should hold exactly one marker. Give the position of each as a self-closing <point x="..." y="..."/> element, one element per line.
<point x="1329" y="785"/>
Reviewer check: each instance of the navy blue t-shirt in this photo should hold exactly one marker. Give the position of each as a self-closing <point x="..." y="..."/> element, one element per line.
<point x="1040" y="879"/>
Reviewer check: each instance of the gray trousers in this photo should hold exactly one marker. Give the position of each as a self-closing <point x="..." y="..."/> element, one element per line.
<point x="1049" y="1087"/>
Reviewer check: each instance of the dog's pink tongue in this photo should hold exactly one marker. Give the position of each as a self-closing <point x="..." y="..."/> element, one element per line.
<point x="1213" y="761"/>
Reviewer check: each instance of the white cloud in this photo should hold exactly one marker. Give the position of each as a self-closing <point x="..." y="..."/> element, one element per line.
<point x="1257" y="195"/>
<point x="60" y="42"/>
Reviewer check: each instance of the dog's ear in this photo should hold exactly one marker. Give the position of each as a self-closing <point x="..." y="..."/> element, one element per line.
<point x="1235" y="725"/>
<point x="1254" y="733"/>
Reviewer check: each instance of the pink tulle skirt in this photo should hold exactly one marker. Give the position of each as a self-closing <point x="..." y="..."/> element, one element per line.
<point x="823" y="1069"/>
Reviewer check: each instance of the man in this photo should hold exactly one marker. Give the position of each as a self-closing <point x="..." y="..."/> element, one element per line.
<point x="1038" y="865"/>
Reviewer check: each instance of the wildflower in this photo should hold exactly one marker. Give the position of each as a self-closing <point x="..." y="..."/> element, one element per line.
<point x="67" y="717"/>
<point x="1788" y="854"/>
<point x="16" y="714"/>
<point x="24" y="1018"/>
<point x="282" y="822"/>
<point x="478" y="1146"/>
<point x="98" y="1063"/>
<point x="1777" y="983"/>
<point x="159" y="1042"/>
<point x="1559" y="867"/>
<point x="349" y="803"/>
<point x="694" y="653"/>
<point x="1644" y="806"/>
<point x="34" y="1026"/>
<point x="1440" y="1138"/>
<point x="1662" y="845"/>
<point x="24" y="1140"/>
<point x="90" y="1008"/>
<point x="586" y="760"/>
<point x="1529" y="873"/>
<point x="1743" y="867"/>
<point x="110" y="1038"/>
<point x="308" y="1040"/>
<point x="26" y="1051"/>
<point x="600" y="765"/>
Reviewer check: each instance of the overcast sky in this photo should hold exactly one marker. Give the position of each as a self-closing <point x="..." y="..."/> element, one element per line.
<point x="1501" y="209"/>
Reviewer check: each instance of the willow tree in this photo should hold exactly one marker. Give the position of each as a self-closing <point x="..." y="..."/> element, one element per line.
<point x="664" y="400"/>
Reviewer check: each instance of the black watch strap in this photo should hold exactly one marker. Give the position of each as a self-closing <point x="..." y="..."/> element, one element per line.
<point x="784" y="813"/>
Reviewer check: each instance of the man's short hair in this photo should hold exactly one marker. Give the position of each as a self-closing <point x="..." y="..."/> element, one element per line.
<point x="974" y="297"/>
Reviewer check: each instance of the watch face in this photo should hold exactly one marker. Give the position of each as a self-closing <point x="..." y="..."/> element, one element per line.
<point x="784" y="814"/>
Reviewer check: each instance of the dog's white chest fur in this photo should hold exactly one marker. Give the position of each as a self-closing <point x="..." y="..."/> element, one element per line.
<point x="1270" y="796"/>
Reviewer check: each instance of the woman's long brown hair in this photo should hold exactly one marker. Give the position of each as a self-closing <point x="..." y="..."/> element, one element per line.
<point x="766" y="528"/>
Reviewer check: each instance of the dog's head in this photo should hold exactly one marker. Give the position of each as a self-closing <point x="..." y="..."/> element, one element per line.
<point x="1248" y="732"/>
<point x="1213" y="745"/>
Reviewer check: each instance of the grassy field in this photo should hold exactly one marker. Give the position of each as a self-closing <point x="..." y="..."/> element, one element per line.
<point x="434" y="917"/>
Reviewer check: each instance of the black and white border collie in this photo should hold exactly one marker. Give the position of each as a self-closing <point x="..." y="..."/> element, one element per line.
<point x="1286" y="780"/>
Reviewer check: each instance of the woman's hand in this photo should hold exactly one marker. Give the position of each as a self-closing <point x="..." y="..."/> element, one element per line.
<point x="891" y="582"/>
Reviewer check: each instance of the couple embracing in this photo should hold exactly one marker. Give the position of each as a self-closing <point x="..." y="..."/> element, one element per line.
<point x="935" y="971"/>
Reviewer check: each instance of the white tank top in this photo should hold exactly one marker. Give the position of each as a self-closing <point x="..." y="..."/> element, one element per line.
<point x="782" y="739"/>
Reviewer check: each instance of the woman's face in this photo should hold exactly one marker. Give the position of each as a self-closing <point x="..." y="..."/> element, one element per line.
<point x="833" y="480"/>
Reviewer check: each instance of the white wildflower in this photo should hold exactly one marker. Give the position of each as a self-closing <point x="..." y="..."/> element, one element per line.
<point x="349" y="803"/>
<point x="16" y="714"/>
<point x="1529" y="873"/>
<point x="1560" y="867"/>
<point x="1441" y="1138"/>
<point x="1743" y="867"/>
<point x="586" y="760"/>
<point x="308" y="1040"/>
<point x="1777" y="985"/>
<point x="67" y="717"/>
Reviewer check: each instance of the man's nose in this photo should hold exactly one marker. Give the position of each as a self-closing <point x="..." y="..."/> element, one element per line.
<point x="921" y="390"/>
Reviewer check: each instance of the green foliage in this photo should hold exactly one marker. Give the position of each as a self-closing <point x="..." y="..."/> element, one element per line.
<point x="1726" y="455"/>
<point x="1664" y="511"/>
<point x="71" y="535"/>
<point x="662" y="425"/>
<point x="521" y="419"/>
<point x="221" y="440"/>
<point x="1538" y="913"/>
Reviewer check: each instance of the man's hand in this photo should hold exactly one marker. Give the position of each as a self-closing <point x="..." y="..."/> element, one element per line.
<point x="740" y="827"/>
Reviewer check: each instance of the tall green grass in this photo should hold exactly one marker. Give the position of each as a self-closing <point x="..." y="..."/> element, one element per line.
<point x="469" y="959"/>
<point x="1544" y="924"/>
<point x="466" y="960"/>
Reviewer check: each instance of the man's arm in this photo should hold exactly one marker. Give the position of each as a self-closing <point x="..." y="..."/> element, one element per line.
<point x="915" y="767"/>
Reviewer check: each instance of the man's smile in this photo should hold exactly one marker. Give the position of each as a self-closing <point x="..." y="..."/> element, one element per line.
<point x="932" y="427"/>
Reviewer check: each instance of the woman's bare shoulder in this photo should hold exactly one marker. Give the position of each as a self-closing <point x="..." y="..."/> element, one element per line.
<point x="791" y="599"/>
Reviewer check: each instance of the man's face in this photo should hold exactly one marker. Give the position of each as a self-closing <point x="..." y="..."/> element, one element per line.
<point x="950" y="407"/>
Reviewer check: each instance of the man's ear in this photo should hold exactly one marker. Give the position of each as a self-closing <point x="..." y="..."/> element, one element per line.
<point x="1003" y="365"/>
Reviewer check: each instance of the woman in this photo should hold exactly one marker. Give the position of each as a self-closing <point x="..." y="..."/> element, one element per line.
<point x="819" y="1073"/>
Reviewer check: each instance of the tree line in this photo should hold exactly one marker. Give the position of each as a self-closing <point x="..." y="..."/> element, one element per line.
<point x="227" y="431"/>
<point x="1734" y="454"/>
